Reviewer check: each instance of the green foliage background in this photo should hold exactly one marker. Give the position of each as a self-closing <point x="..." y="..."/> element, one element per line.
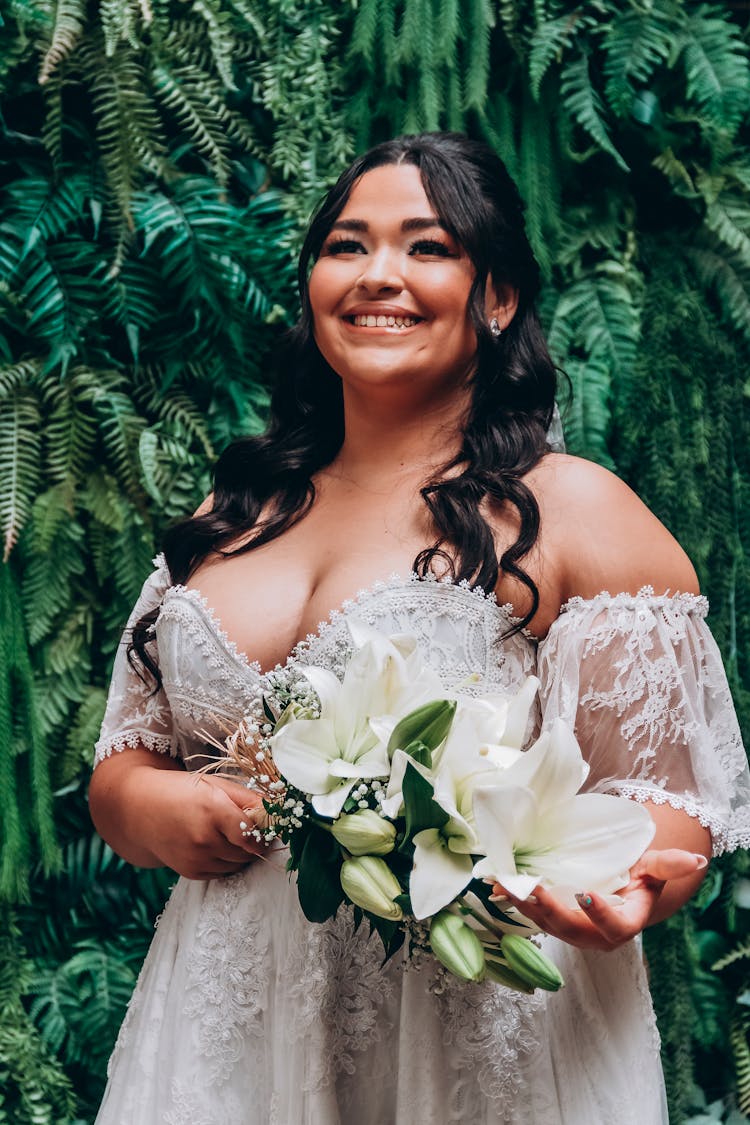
<point x="158" y="159"/>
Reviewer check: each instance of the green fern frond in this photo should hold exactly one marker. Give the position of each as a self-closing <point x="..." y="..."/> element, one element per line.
<point x="676" y="172"/>
<point x="70" y="18"/>
<point x="738" y="1037"/>
<point x="598" y="315"/>
<point x="583" y="103"/>
<point x="56" y="558"/>
<point x="176" y="88"/>
<point x="587" y="418"/>
<point x="479" y="19"/>
<point x="94" y="981"/>
<point x="20" y="456"/>
<point x="102" y="498"/>
<point x="70" y="430"/>
<point x="48" y="208"/>
<point x="128" y="128"/>
<point x="25" y="374"/>
<point x="728" y="217"/>
<point x="220" y="37"/>
<point x="716" y="65"/>
<point x="739" y="953"/>
<point x="727" y="278"/>
<point x="120" y="20"/>
<point x="636" y="44"/>
<point x="548" y="43"/>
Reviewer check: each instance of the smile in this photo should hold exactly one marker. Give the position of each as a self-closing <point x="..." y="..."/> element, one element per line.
<point x="372" y="321"/>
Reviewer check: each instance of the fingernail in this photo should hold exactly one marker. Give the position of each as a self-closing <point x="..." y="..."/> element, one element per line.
<point x="701" y="862"/>
<point x="530" y="898"/>
<point x="499" y="898"/>
<point x="584" y="901"/>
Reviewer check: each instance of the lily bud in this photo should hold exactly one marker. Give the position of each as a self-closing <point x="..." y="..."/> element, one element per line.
<point x="457" y="946"/>
<point x="365" y="833"/>
<point x="530" y="964"/>
<point x="428" y="724"/>
<point x="368" y="882"/>
<point x="500" y="973"/>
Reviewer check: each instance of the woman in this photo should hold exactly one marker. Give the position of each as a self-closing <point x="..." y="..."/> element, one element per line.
<point x="408" y="438"/>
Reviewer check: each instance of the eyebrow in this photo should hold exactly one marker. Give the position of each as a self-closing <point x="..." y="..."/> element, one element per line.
<point x="407" y="225"/>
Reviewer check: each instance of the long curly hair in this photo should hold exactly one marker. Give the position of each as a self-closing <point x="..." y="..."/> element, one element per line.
<point x="512" y="393"/>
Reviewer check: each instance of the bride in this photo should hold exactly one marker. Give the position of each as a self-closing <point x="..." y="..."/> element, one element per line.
<point x="406" y="480"/>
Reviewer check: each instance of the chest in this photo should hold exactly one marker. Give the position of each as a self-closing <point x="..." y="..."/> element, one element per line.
<point x="273" y="596"/>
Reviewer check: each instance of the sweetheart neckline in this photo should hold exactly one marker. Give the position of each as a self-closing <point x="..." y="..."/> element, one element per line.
<point x="363" y="596"/>
<point x="685" y="602"/>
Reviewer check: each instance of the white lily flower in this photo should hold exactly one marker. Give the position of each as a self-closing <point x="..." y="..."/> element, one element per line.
<point x="497" y="732"/>
<point x="325" y="757"/>
<point x="443" y="864"/>
<point x="535" y="827"/>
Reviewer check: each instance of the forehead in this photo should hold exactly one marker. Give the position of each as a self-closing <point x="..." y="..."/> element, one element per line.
<point x="391" y="191"/>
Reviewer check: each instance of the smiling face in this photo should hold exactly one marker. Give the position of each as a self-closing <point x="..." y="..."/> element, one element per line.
<point x="389" y="291"/>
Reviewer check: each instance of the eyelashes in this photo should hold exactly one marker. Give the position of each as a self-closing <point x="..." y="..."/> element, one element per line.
<point x="431" y="247"/>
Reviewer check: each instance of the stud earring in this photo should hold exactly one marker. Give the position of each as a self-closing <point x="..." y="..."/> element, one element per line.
<point x="495" y="328"/>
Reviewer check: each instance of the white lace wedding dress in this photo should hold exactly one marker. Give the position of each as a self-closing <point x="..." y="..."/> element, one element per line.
<point x="246" y="1014"/>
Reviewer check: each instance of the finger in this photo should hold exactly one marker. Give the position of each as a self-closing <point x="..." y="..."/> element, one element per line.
<point x="618" y="924"/>
<point x="238" y="829"/>
<point x="238" y="793"/>
<point x="669" y="863"/>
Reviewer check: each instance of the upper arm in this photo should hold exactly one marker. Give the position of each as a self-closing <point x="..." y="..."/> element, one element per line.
<point x="605" y="537"/>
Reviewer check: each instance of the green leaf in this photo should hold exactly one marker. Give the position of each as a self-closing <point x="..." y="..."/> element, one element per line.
<point x="421" y="810"/>
<point x="318" y="881"/>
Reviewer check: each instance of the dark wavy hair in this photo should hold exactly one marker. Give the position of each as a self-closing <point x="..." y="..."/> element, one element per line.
<point x="512" y="399"/>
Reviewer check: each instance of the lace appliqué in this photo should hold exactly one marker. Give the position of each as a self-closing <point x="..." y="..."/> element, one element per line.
<point x="492" y="1031"/>
<point x="226" y="974"/>
<point x="339" y="992"/>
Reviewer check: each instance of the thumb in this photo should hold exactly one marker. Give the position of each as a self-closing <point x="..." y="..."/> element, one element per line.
<point x="670" y="863"/>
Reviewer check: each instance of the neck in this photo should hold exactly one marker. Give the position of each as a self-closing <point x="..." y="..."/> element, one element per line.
<point x="390" y="440"/>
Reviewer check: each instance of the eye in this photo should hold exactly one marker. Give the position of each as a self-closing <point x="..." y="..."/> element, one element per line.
<point x="343" y="246"/>
<point x="431" y="247"/>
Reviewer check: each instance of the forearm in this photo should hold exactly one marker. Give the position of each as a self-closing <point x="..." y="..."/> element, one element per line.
<point x="120" y="801"/>
<point x="676" y="829"/>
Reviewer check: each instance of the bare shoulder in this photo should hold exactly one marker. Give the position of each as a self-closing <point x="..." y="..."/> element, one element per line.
<point x="602" y="535"/>
<point x="205" y="507"/>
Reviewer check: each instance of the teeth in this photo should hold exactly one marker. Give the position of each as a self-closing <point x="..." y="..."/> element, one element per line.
<point x="382" y="321"/>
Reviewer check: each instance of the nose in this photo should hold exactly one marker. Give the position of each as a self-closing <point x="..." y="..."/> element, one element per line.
<point x="382" y="271"/>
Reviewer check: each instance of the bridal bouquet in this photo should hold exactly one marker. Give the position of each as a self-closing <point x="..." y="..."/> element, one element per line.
<point x="408" y="806"/>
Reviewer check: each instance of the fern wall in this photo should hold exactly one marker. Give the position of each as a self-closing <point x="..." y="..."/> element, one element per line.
<point x="157" y="161"/>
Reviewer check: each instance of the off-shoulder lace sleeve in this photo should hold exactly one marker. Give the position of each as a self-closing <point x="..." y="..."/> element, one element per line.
<point x="642" y="680"/>
<point x="134" y="716"/>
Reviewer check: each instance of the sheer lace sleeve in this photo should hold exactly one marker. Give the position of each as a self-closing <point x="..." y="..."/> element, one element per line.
<point x="134" y="716"/>
<point x="642" y="680"/>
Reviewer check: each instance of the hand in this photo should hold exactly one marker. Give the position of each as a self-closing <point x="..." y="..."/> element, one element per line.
<point x="153" y="813"/>
<point x="213" y="841"/>
<point x="600" y="924"/>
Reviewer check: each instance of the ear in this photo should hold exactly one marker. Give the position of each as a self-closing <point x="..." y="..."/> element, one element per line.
<point x="501" y="302"/>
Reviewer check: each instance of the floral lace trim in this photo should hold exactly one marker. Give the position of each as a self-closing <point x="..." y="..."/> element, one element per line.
<point x="687" y="603"/>
<point x="215" y="623"/>
<point x="723" y="838"/>
<point x="116" y="743"/>
<point x="365" y="597"/>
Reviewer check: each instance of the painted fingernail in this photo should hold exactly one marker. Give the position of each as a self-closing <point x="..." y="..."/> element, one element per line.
<point x="584" y="901"/>
<point x="701" y="862"/>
